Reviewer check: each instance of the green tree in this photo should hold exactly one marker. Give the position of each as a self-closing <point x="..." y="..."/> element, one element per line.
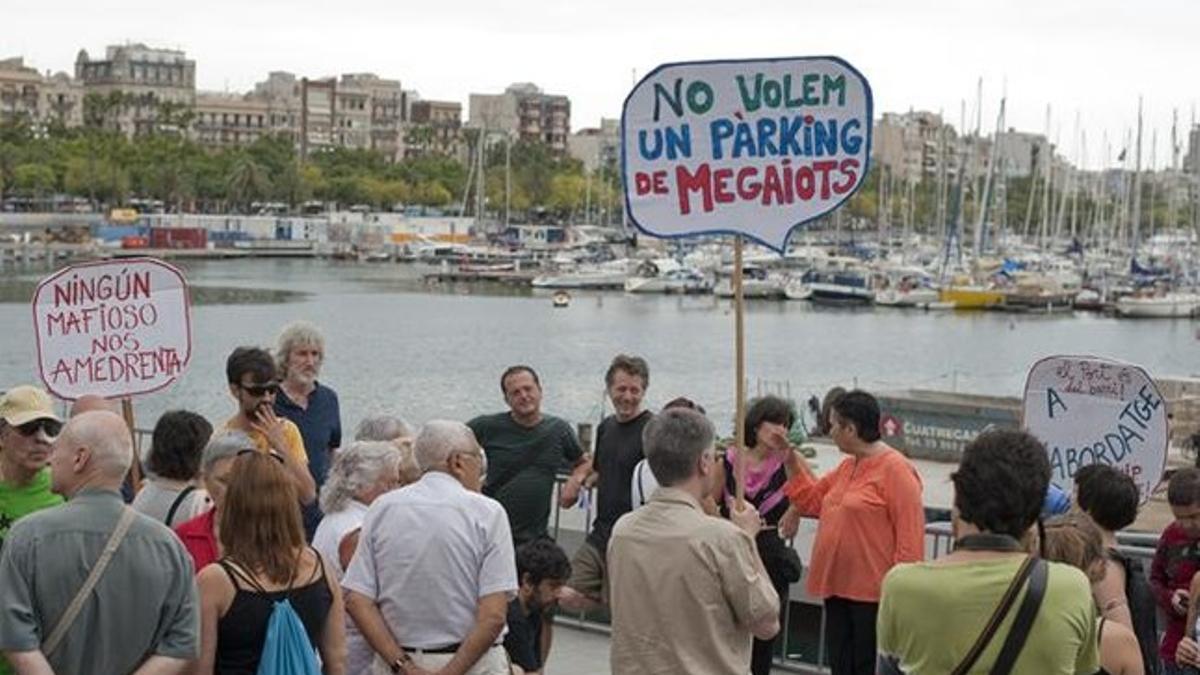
<point x="34" y="180"/>
<point x="247" y="182"/>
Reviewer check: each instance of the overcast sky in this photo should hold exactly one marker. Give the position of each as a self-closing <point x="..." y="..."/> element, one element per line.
<point x="1090" y="58"/>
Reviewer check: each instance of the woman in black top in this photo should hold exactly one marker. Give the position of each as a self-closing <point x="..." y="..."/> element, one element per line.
<point x="266" y="561"/>
<point x="768" y="421"/>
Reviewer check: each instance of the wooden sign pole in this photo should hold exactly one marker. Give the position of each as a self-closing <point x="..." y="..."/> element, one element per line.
<point x="740" y="370"/>
<point x="135" y="469"/>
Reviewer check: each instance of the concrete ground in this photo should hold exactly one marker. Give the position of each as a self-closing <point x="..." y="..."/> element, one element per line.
<point x="581" y="652"/>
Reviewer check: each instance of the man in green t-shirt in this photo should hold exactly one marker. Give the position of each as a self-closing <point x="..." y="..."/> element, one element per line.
<point x="525" y="449"/>
<point x="28" y="426"/>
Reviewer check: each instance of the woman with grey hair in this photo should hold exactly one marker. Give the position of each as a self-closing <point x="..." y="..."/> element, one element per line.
<point x="394" y="430"/>
<point x="360" y="473"/>
<point x="199" y="535"/>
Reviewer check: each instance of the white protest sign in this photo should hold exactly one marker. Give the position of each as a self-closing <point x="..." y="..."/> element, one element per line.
<point x="1090" y="410"/>
<point x="752" y="147"/>
<point x="112" y="328"/>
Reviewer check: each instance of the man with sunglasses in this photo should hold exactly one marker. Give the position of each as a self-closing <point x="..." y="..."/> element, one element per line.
<point x="253" y="384"/>
<point x="28" y="426"/>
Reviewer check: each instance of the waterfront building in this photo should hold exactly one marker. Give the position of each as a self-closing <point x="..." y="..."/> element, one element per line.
<point x="914" y="145"/>
<point x="134" y="88"/>
<point x="1021" y="154"/>
<point x="40" y="99"/>
<point x="1191" y="161"/>
<point x="523" y="112"/>
<point x="229" y="119"/>
<point x="597" y="147"/>
<point x="434" y="128"/>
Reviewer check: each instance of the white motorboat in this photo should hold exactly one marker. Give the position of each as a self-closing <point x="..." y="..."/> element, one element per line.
<point x="665" y="275"/>
<point x="605" y="275"/>
<point x="1170" y="305"/>
<point x="756" y="284"/>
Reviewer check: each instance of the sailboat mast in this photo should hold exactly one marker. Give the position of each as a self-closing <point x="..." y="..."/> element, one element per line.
<point x="1135" y="224"/>
<point x="987" y="184"/>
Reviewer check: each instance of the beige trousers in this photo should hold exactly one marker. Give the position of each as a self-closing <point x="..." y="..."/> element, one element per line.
<point x="493" y="662"/>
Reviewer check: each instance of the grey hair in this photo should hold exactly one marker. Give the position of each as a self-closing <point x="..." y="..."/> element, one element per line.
<point x="106" y="435"/>
<point x="439" y="439"/>
<point x="356" y="467"/>
<point x="674" y="441"/>
<point x="224" y="445"/>
<point x="382" y="428"/>
<point x="296" y="334"/>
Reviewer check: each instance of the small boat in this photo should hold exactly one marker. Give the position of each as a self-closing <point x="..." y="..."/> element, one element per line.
<point x="840" y="288"/>
<point x="797" y="289"/>
<point x="597" y="277"/>
<point x="561" y="299"/>
<point x="1089" y="300"/>
<point x="665" y="275"/>
<point x="1169" y="305"/>
<point x="1038" y="295"/>
<point x="756" y="284"/>
<point x="971" y="297"/>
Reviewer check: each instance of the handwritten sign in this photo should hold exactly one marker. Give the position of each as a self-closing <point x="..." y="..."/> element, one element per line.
<point x="753" y="147"/>
<point x="112" y="328"/>
<point x="1094" y="411"/>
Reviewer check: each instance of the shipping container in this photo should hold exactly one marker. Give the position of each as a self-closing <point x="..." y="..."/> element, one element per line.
<point x="178" y="237"/>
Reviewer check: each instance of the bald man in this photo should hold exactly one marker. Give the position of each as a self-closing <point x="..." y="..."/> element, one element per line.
<point x="90" y="402"/>
<point x="141" y="615"/>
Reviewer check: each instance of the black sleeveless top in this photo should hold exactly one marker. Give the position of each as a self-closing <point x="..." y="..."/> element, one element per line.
<point x="1099" y="640"/>
<point x="242" y="631"/>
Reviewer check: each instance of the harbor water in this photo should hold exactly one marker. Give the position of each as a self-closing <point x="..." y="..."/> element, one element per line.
<point x="396" y="343"/>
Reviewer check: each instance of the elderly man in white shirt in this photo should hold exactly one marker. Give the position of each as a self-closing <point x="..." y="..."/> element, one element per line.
<point x="434" y="570"/>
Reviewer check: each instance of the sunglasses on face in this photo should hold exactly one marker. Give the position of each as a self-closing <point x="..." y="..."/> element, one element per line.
<point x="258" y="391"/>
<point x="51" y="427"/>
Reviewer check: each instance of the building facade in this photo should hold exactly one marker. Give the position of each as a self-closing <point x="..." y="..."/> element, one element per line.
<point x="434" y="127"/>
<point x="136" y="89"/>
<point x="597" y="147"/>
<point x="41" y="100"/>
<point x="222" y="120"/>
<point x="523" y="111"/>
<point x="915" y="145"/>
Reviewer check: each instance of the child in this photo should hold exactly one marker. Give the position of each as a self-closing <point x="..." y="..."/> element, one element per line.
<point x="1176" y="561"/>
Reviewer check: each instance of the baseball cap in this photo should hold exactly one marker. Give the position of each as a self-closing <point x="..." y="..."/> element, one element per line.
<point x="25" y="403"/>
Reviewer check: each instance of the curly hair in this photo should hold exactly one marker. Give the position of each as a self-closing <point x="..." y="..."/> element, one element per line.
<point x="767" y="409"/>
<point x="359" y="466"/>
<point x="1107" y="495"/>
<point x="177" y="445"/>
<point x="293" y="335"/>
<point x="542" y="559"/>
<point x="1001" y="482"/>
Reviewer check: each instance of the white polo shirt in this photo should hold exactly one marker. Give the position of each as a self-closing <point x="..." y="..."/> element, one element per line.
<point x="427" y="553"/>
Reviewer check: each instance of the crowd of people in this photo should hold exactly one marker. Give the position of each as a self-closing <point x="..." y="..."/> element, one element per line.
<point x="263" y="543"/>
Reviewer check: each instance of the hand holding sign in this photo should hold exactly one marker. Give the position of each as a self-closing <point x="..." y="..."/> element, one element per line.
<point x="755" y="147"/>
<point x="1089" y="410"/>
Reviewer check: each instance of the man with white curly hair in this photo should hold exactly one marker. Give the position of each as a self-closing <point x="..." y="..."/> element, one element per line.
<point x="310" y="405"/>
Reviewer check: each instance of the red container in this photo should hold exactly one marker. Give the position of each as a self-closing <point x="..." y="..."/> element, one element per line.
<point x="134" y="242"/>
<point x="178" y="237"/>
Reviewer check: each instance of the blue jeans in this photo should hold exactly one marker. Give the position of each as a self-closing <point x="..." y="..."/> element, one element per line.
<point x="1176" y="669"/>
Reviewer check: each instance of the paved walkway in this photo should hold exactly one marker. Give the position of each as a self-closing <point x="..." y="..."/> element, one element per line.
<point x="582" y="652"/>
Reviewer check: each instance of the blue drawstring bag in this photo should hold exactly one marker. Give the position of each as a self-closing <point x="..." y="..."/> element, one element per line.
<point x="287" y="649"/>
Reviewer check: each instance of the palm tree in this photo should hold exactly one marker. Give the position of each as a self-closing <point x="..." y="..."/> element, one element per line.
<point x="247" y="181"/>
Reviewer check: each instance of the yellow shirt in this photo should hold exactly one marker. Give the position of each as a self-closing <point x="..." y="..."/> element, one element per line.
<point x="291" y="434"/>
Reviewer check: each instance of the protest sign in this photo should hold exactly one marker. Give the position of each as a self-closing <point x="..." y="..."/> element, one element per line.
<point x="112" y="328"/>
<point x="1090" y="410"/>
<point x="752" y="147"/>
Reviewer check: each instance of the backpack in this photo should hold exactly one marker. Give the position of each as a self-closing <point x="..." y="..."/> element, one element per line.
<point x="287" y="649"/>
<point x="1142" y="609"/>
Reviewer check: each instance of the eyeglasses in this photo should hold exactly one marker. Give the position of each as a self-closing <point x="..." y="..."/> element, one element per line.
<point x="251" y="451"/>
<point x="50" y="426"/>
<point x="258" y="391"/>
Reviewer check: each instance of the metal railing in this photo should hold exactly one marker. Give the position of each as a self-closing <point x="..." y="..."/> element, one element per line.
<point x="801" y="648"/>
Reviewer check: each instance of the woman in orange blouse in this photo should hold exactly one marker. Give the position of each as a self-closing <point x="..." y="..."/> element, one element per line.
<point x="870" y="517"/>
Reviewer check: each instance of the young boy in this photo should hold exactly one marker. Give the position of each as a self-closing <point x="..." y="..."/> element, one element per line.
<point x="1176" y="560"/>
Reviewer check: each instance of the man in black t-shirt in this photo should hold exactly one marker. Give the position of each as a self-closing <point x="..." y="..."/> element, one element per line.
<point x="542" y="568"/>
<point x="618" y="451"/>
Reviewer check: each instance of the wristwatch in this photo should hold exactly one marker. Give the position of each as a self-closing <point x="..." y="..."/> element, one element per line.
<point x="400" y="664"/>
